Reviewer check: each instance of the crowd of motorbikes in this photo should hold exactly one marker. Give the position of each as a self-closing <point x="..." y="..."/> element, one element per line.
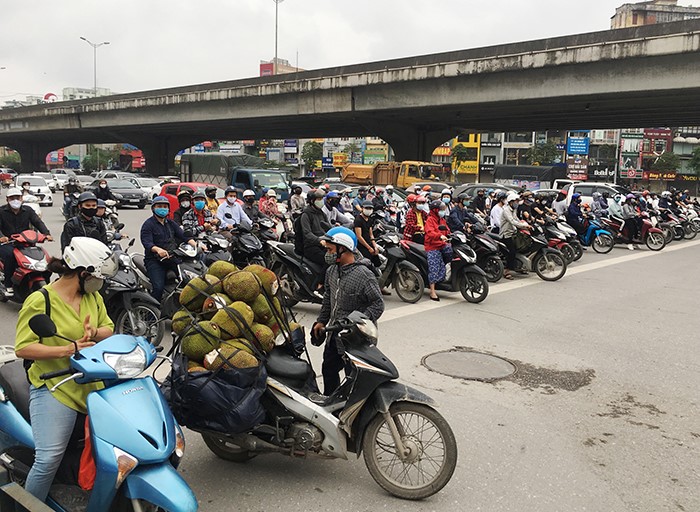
<point x="408" y="448"/>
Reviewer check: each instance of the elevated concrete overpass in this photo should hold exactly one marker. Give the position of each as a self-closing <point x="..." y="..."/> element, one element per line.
<point x="637" y="77"/>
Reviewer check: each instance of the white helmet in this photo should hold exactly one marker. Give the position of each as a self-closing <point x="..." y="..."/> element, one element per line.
<point x="665" y="193"/>
<point x="389" y="187"/>
<point x="270" y="193"/>
<point x="14" y="191"/>
<point x="512" y="196"/>
<point x="248" y="193"/>
<point x="446" y="191"/>
<point x="92" y="255"/>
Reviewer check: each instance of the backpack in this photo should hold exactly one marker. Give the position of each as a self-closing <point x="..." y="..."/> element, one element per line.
<point x="298" y="236"/>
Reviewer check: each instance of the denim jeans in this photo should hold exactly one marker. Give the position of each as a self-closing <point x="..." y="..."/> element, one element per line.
<point x="52" y="426"/>
<point x="7" y="253"/>
<point x="157" y="271"/>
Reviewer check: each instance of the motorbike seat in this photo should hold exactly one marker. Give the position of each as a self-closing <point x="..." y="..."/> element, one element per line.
<point x="417" y="248"/>
<point x="289" y="250"/>
<point x="13" y="379"/>
<point x="281" y="364"/>
<point x="138" y="260"/>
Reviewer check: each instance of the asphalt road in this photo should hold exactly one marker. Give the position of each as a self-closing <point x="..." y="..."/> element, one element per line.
<point x="602" y="414"/>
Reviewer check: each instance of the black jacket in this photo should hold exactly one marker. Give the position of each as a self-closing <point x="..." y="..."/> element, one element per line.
<point x="314" y="225"/>
<point x="105" y="194"/>
<point x="26" y="218"/>
<point x="79" y="226"/>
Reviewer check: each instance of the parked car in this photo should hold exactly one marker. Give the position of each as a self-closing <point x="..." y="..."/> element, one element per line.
<point x="149" y="185"/>
<point x="61" y="176"/>
<point x="50" y="180"/>
<point x="85" y="181"/>
<point x="586" y="189"/>
<point x="125" y="192"/>
<point x="37" y="186"/>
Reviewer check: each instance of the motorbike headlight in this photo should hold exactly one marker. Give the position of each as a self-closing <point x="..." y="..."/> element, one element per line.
<point x="118" y="196"/>
<point x="179" y="442"/>
<point x="368" y="328"/>
<point x="128" y="365"/>
<point x="125" y="260"/>
<point x="223" y="243"/>
<point x="38" y="265"/>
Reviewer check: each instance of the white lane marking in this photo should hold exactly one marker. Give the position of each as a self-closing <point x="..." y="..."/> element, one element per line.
<point x="424" y="306"/>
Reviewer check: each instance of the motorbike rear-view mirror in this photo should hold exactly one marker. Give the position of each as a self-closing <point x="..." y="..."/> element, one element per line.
<point x="228" y="216"/>
<point x="42" y="326"/>
<point x="119" y="226"/>
<point x="132" y="242"/>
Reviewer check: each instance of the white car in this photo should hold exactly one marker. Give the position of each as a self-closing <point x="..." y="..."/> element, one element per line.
<point x="37" y="186"/>
<point x="149" y="185"/>
<point x="50" y="180"/>
<point x="61" y="176"/>
<point x="587" y="188"/>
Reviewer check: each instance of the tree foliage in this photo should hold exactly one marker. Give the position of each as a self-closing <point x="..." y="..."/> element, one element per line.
<point x="99" y="158"/>
<point x="668" y="161"/>
<point x="310" y="153"/>
<point x="694" y="163"/>
<point x="543" y="154"/>
<point x="460" y="153"/>
<point x="350" y="148"/>
<point x="11" y="161"/>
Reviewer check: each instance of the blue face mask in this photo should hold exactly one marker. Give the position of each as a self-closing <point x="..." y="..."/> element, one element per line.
<point x="199" y="205"/>
<point x="442" y="213"/>
<point x="446" y="200"/>
<point x="161" y="212"/>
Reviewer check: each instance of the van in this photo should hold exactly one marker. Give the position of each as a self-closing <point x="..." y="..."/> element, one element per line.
<point x="587" y="188"/>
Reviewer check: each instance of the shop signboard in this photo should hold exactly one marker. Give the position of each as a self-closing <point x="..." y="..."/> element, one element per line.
<point x="659" y="176"/>
<point x="631" y="174"/>
<point x="577" y="145"/>
<point x="327" y="162"/>
<point x="577" y="168"/>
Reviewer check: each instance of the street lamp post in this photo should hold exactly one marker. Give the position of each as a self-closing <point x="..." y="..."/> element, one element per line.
<point x="277" y="5"/>
<point x="95" y="46"/>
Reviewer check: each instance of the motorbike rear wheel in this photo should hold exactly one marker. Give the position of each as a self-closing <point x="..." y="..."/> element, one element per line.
<point x="568" y="252"/>
<point x="668" y="234"/>
<point x="603" y="243"/>
<point x="473" y="286"/>
<point x="689" y="231"/>
<point x="578" y="250"/>
<point x="225" y="450"/>
<point x="655" y="241"/>
<point x="678" y="232"/>
<point x="550" y="266"/>
<point x="431" y="445"/>
<point x="408" y="284"/>
<point x="493" y="266"/>
<point x="144" y="312"/>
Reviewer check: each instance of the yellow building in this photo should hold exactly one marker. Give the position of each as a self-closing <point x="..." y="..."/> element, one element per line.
<point x="470" y="167"/>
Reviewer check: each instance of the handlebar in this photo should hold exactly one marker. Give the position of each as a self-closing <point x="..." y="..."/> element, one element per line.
<point x="334" y="328"/>
<point x="57" y="373"/>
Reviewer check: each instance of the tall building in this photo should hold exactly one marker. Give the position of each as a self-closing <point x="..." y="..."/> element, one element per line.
<point x="79" y="93"/>
<point x="267" y="68"/>
<point x="649" y="13"/>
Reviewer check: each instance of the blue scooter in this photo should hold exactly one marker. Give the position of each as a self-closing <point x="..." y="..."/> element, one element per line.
<point x="136" y="442"/>
<point x="597" y="237"/>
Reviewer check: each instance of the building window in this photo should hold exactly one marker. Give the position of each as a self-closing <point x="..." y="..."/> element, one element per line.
<point x="659" y="145"/>
<point x="635" y="17"/>
<point x="519" y="137"/>
<point x="516" y="156"/>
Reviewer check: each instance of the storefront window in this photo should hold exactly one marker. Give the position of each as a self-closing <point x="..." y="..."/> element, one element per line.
<point x="519" y="137"/>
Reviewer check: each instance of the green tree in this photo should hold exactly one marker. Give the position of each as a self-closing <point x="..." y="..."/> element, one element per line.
<point x="668" y="161"/>
<point x="694" y="162"/>
<point x="310" y="153"/>
<point x="351" y="147"/>
<point x="543" y="154"/>
<point x="11" y="161"/>
<point x="99" y="158"/>
<point x="460" y="153"/>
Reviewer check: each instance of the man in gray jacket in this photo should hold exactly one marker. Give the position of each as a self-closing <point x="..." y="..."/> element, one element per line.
<point x="509" y="226"/>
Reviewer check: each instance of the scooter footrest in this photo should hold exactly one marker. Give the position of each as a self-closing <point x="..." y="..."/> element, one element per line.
<point x="70" y="497"/>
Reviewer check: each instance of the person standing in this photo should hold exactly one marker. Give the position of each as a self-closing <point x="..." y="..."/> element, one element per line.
<point x="349" y="286"/>
<point x="15" y="218"/>
<point x="86" y="223"/>
<point x="80" y="314"/>
<point x="437" y="248"/>
<point x="159" y="236"/>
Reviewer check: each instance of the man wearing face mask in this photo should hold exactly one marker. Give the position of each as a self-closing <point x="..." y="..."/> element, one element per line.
<point x="314" y="224"/>
<point x="15" y="218"/>
<point x="460" y="218"/>
<point x="198" y="219"/>
<point x="159" y="235"/>
<point x="361" y="198"/>
<point x="349" y="286"/>
<point x="479" y="203"/>
<point x="86" y="223"/>
<point x="230" y="213"/>
<point x="250" y="207"/>
<point x="184" y="198"/>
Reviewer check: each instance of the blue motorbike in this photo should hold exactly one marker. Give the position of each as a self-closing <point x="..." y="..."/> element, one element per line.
<point x="597" y="237"/>
<point x="136" y="443"/>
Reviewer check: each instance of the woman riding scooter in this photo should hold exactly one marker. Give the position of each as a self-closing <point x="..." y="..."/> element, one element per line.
<point x="79" y="313"/>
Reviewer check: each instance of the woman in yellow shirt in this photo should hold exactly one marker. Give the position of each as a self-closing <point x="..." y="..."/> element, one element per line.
<point x="79" y="313"/>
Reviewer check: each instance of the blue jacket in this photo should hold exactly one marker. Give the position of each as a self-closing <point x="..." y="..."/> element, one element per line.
<point x="153" y="233"/>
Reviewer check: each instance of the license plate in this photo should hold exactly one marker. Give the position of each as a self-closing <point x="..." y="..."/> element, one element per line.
<point x="134" y="200"/>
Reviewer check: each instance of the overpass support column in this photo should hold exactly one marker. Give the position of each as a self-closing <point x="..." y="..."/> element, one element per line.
<point x="412" y="143"/>
<point x="33" y="155"/>
<point x="160" y="152"/>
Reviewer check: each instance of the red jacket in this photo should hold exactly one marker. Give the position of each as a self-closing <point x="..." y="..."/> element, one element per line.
<point x="433" y="233"/>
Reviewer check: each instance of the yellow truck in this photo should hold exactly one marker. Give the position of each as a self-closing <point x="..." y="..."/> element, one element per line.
<point x="400" y="174"/>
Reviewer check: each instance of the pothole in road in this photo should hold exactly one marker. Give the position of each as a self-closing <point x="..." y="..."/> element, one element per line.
<point x="467" y="363"/>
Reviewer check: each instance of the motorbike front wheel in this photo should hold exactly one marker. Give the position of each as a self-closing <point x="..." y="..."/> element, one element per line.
<point x="550" y="266"/>
<point x="668" y="234"/>
<point x="655" y="241"/>
<point x="689" y="231"/>
<point x="408" y="284"/>
<point x="578" y="250"/>
<point x="225" y="450"/>
<point x="473" y="286"/>
<point x="603" y="243"/>
<point x="142" y="312"/>
<point x="568" y="252"/>
<point x="429" y="441"/>
<point x="493" y="267"/>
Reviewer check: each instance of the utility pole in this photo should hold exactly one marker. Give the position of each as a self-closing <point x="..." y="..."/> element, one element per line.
<point x="277" y="5"/>
<point x="95" y="46"/>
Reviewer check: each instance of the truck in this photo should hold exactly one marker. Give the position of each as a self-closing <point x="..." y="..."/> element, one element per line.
<point x="400" y="174"/>
<point x="245" y="172"/>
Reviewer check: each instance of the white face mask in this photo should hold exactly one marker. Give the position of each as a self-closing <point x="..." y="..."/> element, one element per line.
<point x="367" y="212"/>
<point x="319" y="203"/>
<point x="185" y="204"/>
<point x="15" y="204"/>
<point x="103" y="185"/>
<point x="423" y="208"/>
<point x="231" y="200"/>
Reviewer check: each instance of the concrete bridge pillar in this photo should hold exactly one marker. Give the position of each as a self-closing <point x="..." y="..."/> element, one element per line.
<point x="160" y="152"/>
<point x="411" y="142"/>
<point x="33" y="155"/>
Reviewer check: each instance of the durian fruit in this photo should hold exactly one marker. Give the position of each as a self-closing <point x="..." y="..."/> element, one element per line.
<point x="214" y="303"/>
<point x="242" y="286"/>
<point x="267" y="278"/>
<point x="221" y="269"/>
<point x="193" y="295"/>
<point x="229" y="357"/>
<point x="198" y="342"/>
<point x="265" y="337"/>
<point x="181" y="320"/>
<point x="231" y="327"/>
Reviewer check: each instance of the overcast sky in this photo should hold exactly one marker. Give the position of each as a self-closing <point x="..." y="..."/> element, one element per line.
<point x="167" y="43"/>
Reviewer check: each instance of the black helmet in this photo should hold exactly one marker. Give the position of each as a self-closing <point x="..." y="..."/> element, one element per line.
<point x="101" y="204"/>
<point x="314" y="194"/>
<point x="436" y="205"/>
<point x="86" y="196"/>
<point x="463" y="197"/>
<point x="296" y="188"/>
<point x="501" y="196"/>
<point x="210" y="191"/>
<point x="229" y="189"/>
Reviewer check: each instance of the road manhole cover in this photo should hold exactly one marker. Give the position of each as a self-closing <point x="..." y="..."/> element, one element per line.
<point x="469" y="365"/>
